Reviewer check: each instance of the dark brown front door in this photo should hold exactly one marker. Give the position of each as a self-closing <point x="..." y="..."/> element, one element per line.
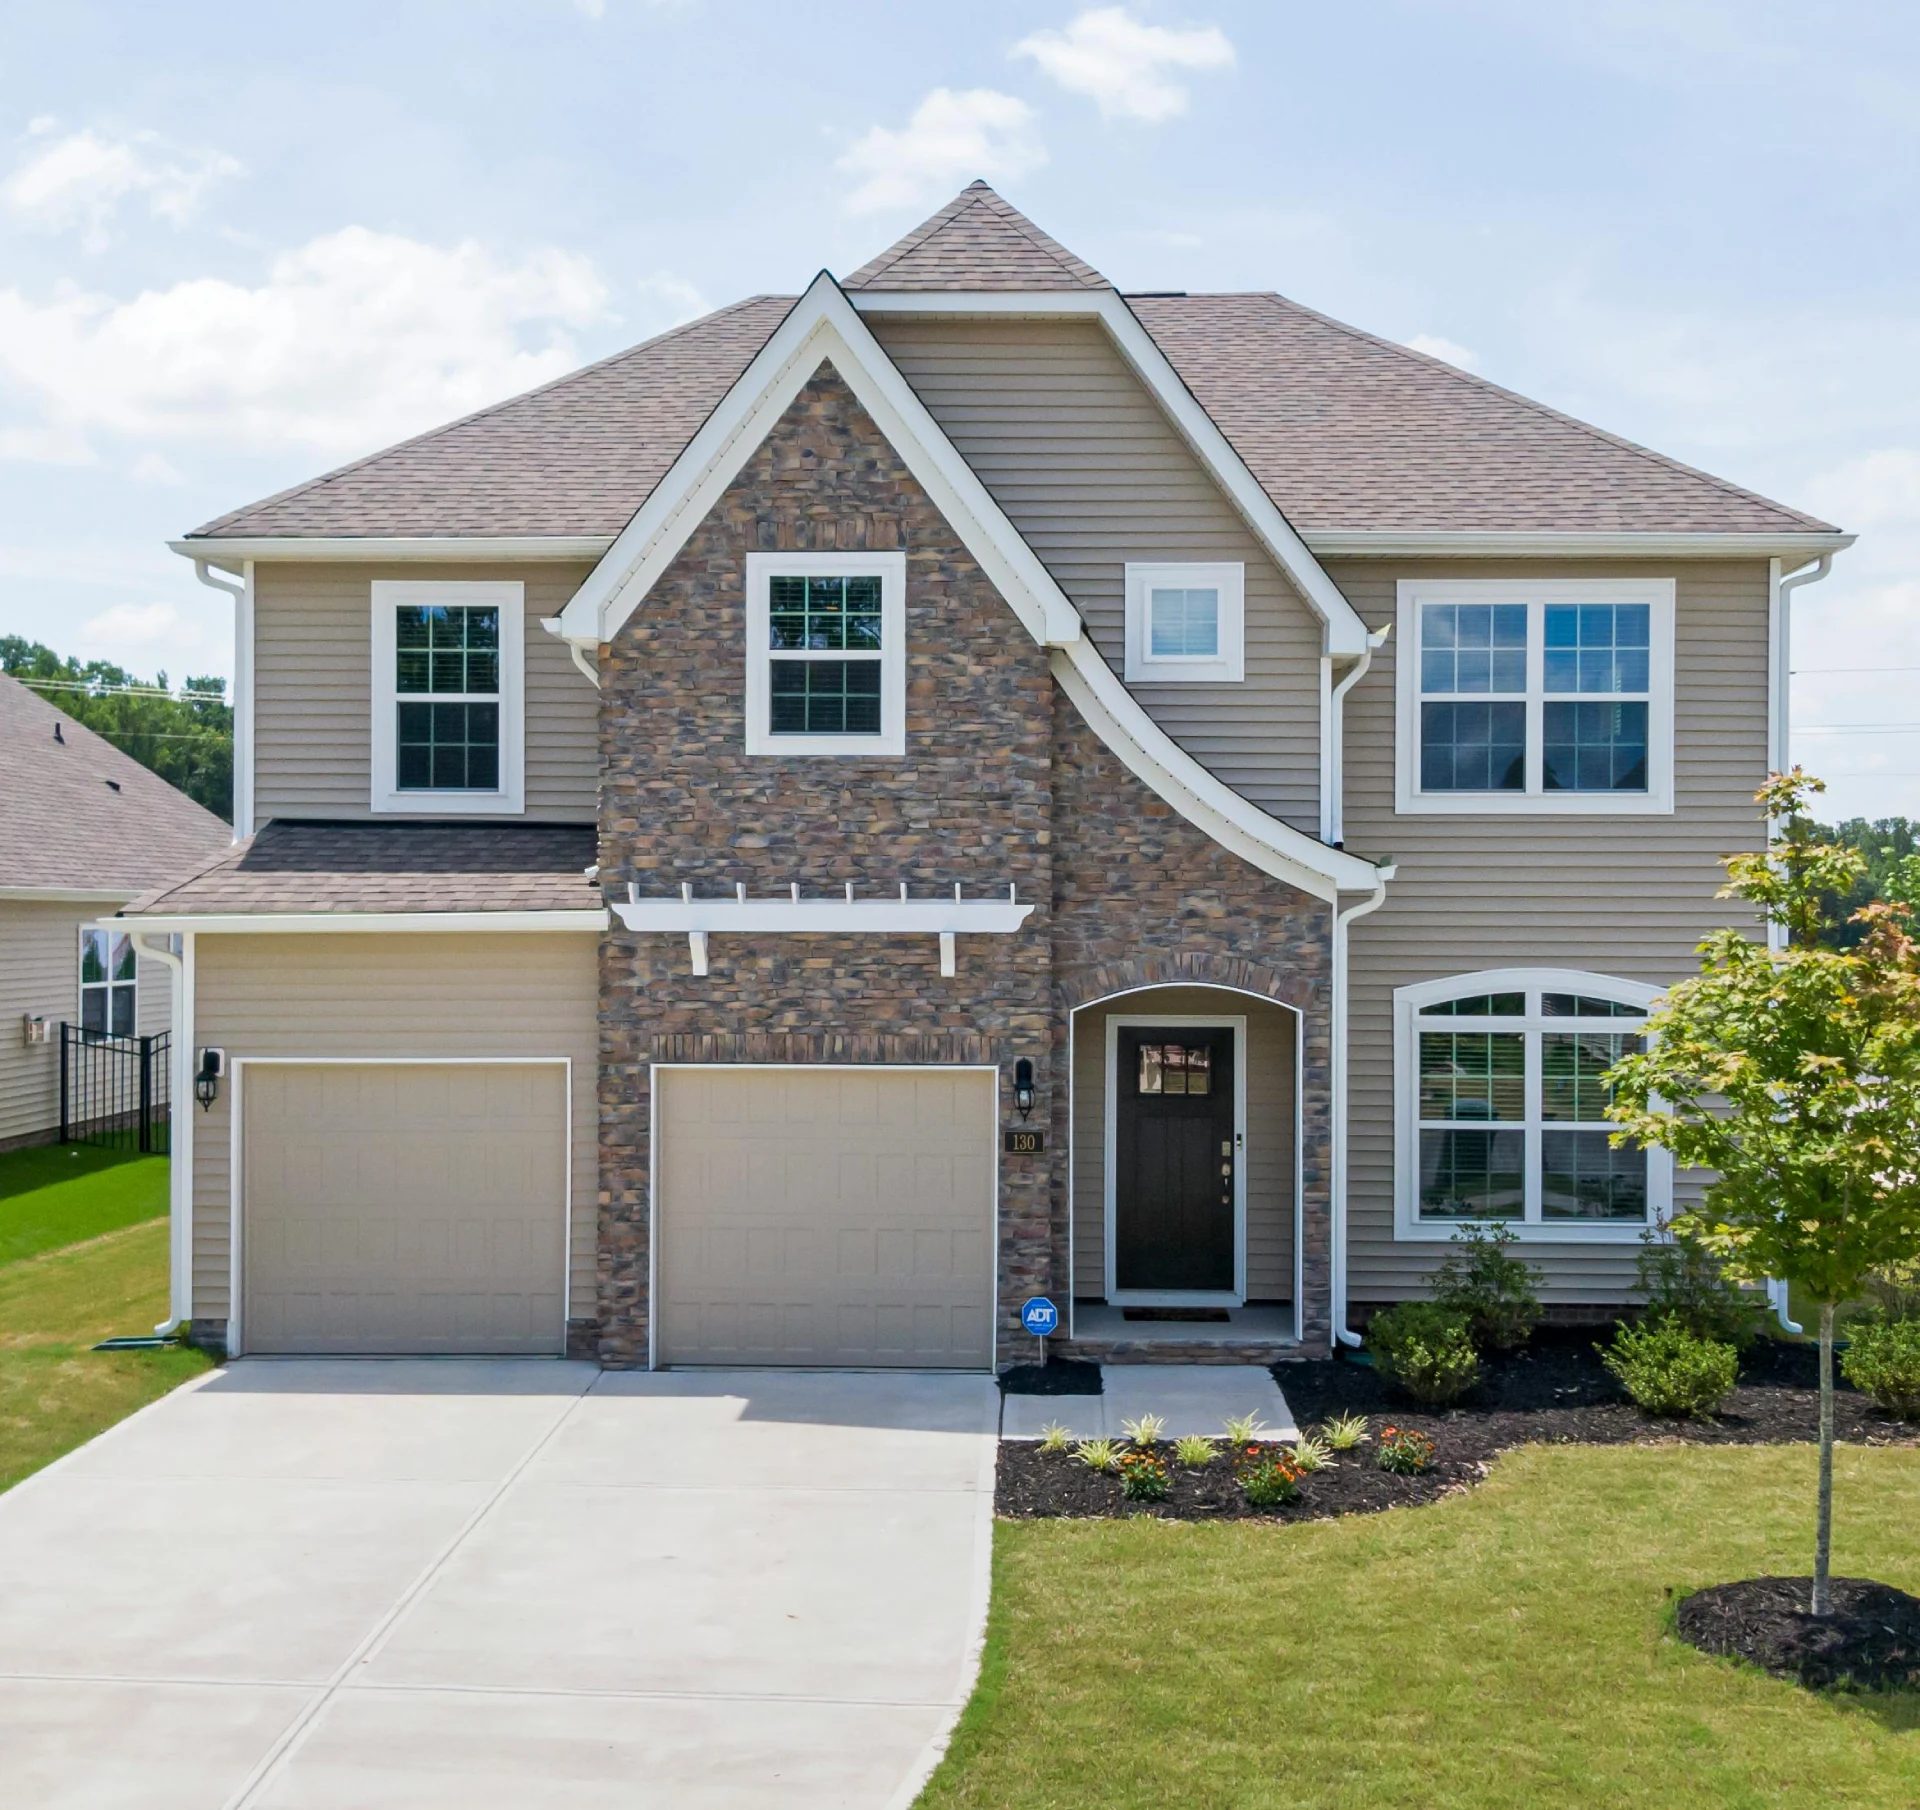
<point x="1174" y="1159"/>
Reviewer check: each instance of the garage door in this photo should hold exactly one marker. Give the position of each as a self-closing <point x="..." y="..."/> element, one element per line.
<point x="826" y="1216"/>
<point x="396" y="1207"/>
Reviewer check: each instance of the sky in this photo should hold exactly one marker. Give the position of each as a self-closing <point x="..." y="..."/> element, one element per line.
<point x="240" y="244"/>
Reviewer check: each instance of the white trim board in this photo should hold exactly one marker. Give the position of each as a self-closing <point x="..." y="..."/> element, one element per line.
<point x="230" y="552"/>
<point x="1174" y="1297"/>
<point x="1408" y="1226"/>
<point x="366" y="923"/>
<point x="1480" y="543"/>
<point x="235" y="1156"/>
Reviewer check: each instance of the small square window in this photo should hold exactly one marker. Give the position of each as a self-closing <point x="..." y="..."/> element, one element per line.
<point x="826" y="654"/>
<point x="1185" y="624"/>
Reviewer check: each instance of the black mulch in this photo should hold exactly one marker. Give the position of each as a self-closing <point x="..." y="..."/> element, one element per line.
<point x="1871" y="1641"/>
<point x="1555" y="1391"/>
<point x="1060" y="1376"/>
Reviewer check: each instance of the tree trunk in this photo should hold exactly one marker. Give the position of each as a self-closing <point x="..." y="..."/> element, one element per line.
<point x="1823" y="1525"/>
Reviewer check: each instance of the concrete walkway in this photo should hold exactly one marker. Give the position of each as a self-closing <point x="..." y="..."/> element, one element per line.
<point x="349" y="1586"/>
<point x="1191" y="1398"/>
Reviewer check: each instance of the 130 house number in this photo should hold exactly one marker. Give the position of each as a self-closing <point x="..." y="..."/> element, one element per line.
<point x="1025" y="1143"/>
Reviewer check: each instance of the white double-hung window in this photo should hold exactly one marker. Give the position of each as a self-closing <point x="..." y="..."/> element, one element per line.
<point x="1535" y="696"/>
<point x="109" y="983"/>
<point x="448" y="666"/>
<point x="826" y="653"/>
<point x="1502" y="1112"/>
<point x="1186" y="623"/>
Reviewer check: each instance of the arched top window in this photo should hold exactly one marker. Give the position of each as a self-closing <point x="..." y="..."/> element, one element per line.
<point x="1502" y="1109"/>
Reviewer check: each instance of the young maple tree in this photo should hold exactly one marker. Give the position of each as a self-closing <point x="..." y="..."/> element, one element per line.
<point x="1794" y="1075"/>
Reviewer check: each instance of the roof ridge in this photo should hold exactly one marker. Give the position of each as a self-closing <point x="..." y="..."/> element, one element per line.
<point x="917" y="236"/>
<point x="208" y="528"/>
<point x="1040" y="240"/>
<point x="1476" y="382"/>
<point x="978" y="195"/>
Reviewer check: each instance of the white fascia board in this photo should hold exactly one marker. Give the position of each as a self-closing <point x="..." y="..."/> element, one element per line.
<point x="822" y="327"/>
<point x="79" y="895"/>
<point x="338" y="923"/>
<point x="1154" y="758"/>
<point x="1388" y="543"/>
<point x="1346" y="634"/>
<point x="231" y="553"/>
<point x="826" y="917"/>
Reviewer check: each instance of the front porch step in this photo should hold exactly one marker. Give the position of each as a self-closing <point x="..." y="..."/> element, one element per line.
<point x="1249" y="1335"/>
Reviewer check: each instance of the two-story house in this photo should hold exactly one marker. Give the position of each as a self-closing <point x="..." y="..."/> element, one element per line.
<point x="960" y="785"/>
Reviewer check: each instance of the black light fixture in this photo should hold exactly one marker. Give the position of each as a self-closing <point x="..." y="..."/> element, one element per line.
<point x="206" y="1079"/>
<point x="1023" y="1086"/>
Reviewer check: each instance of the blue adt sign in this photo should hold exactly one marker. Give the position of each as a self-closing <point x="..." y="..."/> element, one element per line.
<point x="1040" y="1317"/>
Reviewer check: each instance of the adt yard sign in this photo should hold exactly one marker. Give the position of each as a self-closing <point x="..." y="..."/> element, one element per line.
<point x="1040" y="1317"/>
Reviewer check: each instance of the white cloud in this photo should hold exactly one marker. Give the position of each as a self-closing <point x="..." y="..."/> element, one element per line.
<point x="1879" y="490"/>
<point x="951" y="138"/>
<point x="592" y="9"/>
<point x="1123" y="64"/>
<point x="144" y="636"/>
<point x="151" y="468"/>
<point x="81" y="179"/>
<point x="668" y="301"/>
<point x="353" y="340"/>
<point x="1448" y="350"/>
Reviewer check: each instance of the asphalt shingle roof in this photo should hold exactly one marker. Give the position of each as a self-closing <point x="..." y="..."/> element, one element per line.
<point x="334" y="866"/>
<point x="76" y="812"/>
<point x="1343" y="430"/>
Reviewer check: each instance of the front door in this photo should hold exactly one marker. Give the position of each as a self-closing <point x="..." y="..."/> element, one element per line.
<point x="1174" y="1160"/>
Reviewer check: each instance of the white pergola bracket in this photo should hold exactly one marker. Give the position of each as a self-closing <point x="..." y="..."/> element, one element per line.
<point x="699" y="919"/>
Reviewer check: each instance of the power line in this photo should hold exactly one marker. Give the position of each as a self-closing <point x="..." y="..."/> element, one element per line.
<point x="1798" y="670"/>
<point x="122" y="691"/>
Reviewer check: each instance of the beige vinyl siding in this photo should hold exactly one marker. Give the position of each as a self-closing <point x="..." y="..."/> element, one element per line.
<point x="1626" y="896"/>
<point x="1270" y="1153"/>
<point x="40" y="974"/>
<point x="420" y="994"/>
<point x="313" y="710"/>
<point x="1084" y="461"/>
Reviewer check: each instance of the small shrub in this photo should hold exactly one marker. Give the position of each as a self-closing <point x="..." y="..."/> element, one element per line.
<point x="1404" y="1451"/>
<point x="1311" y="1454"/>
<point x="1193" y="1451"/>
<point x="1495" y="1293"/>
<point x="1682" y="1281"/>
<point x="1426" y="1350"/>
<point x="1667" y="1370"/>
<point x="1883" y="1359"/>
<point x="1143" y="1475"/>
<point x="1149" y="1429"/>
<point x="1268" y="1478"/>
<point x="1098" y="1454"/>
<point x="1054" y="1437"/>
<point x="1345" y="1431"/>
<point x="1241" y="1429"/>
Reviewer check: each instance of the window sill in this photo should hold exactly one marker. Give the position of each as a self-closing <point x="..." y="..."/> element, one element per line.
<point x="448" y="804"/>
<point x="1595" y="1231"/>
<point x="1533" y="804"/>
<point x="832" y="747"/>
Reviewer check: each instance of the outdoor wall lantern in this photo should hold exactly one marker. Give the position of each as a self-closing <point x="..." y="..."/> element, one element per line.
<point x="1023" y="1086"/>
<point x="206" y="1079"/>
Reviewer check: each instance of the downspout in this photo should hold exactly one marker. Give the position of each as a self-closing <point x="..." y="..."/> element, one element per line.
<point x="242" y="595"/>
<point x="1779" y="757"/>
<point x="1336" y="815"/>
<point x="180" y="1129"/>
<point x="1337" y="1165"/>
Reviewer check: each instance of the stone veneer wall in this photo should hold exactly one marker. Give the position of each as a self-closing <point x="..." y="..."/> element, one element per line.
<point x="1141" y="899"/>
<point x="1001" y="783"/>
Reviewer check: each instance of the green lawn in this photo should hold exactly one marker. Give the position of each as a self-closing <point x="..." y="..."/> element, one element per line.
<point x="59" y="1194"/>
<point x="1503" y="1648"/>
<point x="55" y="1393"/>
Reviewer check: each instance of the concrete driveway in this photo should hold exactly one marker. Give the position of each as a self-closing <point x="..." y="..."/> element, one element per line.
<point x="344" y="1586"/>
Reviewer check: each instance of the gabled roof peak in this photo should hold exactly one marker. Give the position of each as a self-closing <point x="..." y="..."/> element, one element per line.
<point x="977" y="241"/>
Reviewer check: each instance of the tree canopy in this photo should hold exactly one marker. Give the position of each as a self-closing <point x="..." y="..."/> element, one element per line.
<point x="188" y="741"/>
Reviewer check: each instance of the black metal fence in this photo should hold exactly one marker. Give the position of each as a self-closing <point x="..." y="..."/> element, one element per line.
<point x="116" y="1092"/>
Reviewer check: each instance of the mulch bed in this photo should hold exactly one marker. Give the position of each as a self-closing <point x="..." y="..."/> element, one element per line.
<point x="1058" y="1376"/>
<point x="1555" y="1391"/>
<point x="1871" y="1641"/>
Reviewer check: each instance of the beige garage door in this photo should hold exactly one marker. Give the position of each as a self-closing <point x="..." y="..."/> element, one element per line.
<point x="826" y="1216"/>
<point x="395" y="1207"/>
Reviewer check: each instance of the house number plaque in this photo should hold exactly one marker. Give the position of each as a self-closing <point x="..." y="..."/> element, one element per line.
<point x="1025" y="1143"/>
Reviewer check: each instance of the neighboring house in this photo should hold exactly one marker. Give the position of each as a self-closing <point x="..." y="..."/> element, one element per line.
<point x="694" y="802"/>
<point x="83" y="829"/>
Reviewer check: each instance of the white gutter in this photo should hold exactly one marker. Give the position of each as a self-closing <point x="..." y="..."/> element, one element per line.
<point x="585" y="649"/>
<point x="1471" y="543"/>
<point x="335" y="923"/>
<point x="180" y="1126"/>
<point x="231" y="552"/>
<point x="1336" y="703"/>
<point x="242" y="595"/>
<point x="1337" y="1164"/>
